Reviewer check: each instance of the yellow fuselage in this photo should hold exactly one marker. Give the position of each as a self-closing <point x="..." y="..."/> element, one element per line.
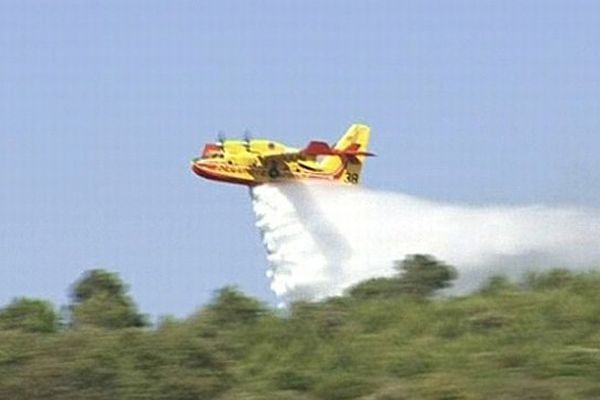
<point x="260" y="161"/>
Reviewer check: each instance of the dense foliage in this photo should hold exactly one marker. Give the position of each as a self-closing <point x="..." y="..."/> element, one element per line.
<point x="100" y="299"/>
<point x="386" y="339"/>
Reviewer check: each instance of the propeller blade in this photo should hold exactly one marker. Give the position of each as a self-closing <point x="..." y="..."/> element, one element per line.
<point x="221" y="137"/>
<point x="247" y="139"/>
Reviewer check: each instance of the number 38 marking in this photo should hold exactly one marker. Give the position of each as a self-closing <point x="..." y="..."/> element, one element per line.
<point x="351" y="177"/>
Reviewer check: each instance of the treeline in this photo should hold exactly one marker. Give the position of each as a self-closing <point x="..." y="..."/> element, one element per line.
<point x="385" y="339"/>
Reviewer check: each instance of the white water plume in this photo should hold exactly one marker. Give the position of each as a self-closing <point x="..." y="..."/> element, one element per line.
<point x="321" y="239"/>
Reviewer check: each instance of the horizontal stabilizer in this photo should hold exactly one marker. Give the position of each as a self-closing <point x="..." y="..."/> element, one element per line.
<point x="316" y="148"/>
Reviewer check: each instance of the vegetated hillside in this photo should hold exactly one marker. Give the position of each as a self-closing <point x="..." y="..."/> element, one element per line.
<point x="385" y="339"/>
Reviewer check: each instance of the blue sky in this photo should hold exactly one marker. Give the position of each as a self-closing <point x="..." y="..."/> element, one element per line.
<point x="103" y="103"/>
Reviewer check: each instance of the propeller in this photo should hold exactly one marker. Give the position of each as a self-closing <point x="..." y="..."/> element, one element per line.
<point x="221" y="138"/>
<point x="247" y="139"/>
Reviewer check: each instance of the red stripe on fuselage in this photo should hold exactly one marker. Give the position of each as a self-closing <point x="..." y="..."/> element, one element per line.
<point x="210" y="171"/>
<point x="215" y="176"/>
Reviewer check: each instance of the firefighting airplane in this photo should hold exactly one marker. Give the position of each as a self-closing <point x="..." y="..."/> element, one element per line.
<point x="253" y="162"/>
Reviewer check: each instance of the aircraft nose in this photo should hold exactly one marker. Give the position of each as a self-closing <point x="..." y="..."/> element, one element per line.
<point x="196" y="165"/>
<point x="201" y="166"/>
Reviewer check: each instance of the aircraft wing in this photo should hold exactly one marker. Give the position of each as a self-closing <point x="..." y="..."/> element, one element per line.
<point x="317" y="148"/>
<point x="286" y="156"/>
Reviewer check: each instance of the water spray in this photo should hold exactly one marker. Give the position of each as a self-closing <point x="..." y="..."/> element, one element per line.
<point x="321" y="239"/>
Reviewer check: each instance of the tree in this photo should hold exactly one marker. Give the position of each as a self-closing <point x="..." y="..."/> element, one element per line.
<point x="418" y="274"/>
<point x="422" y="275"/>
<point x="232" y="307"/>
<point x="97" y="281"/>
<point x="497" y="284"/>
<point x="29" y="315"/>
<point x="100" y="298"/>
<point x="376" y="288"/>
<point x="552" y="279"/>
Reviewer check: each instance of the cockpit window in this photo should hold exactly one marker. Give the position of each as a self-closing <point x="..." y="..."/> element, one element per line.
<point x="215" y="155"/>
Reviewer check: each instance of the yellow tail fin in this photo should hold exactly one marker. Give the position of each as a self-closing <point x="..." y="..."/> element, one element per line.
<point x="356" y="138"/>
